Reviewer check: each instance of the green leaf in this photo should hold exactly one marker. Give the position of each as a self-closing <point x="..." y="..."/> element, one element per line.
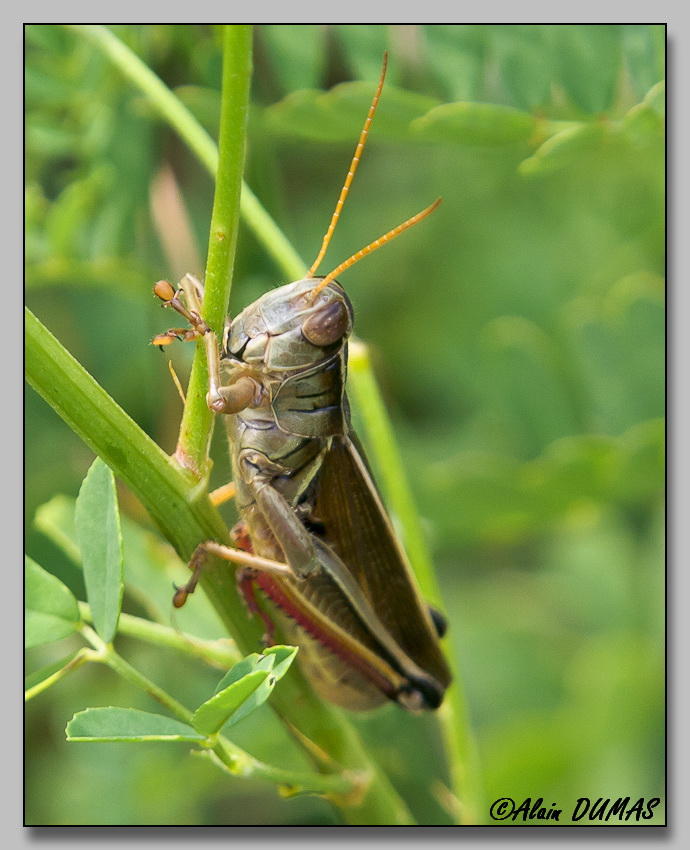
<point x="616" y="345"/>
<point x="283" y="658"/>
<point x="73" y="211"/>
<point x="252" y="662"/>
<point x="277" y="659"/>
<point x="528" y="382"/>
<point x="337" y="115"/>
<point x="55" y="519"/>
<point x="563" y="148"/>
<point x="151" y="567"/>
<point x="363" y="47"/>
<point x="643" y="46"/>
<point x="97" y="521"/>
<point x="43" y="139"/>
<point x="298" y="53"/>
<point x="655" y="99"/>
<point x="212" y="714"/>
<point x="588" y="57"/>
<point x="456" y="53"/>
<point x="51" y="609"/>
<point x="526" y="63"/>
<point x="44" y="673"/>
<point x="483" y="124"/>
<point x="642" y="125"/>
<point x="127" y="724"/>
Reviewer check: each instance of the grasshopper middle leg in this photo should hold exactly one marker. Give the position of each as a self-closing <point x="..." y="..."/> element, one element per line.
<point x="227" y="553"/>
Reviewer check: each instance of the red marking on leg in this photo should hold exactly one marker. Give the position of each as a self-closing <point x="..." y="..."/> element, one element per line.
<point x="322" y="634"/>
<point x="245" y="584"/>
<point x="239" y="534"/>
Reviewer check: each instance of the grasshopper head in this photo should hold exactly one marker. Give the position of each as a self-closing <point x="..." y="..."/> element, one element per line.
<point x="289" y="330"/>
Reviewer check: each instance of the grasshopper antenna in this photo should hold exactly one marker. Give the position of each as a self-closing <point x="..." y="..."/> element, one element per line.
<point x="372" y="246"/>
<point x="353" y="169"/>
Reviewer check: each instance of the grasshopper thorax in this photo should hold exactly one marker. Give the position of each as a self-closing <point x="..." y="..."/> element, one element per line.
<point x="288" y="329"/>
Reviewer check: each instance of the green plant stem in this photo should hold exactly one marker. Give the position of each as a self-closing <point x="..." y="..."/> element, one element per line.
<point x="197" y="421"/>
<point x="80" y="658"/>
<point x="235" y="759"/>
<point x="186" y="517"/>
<point x="107" y="655"/>
<point x="453" y="715"/>
<point x="170" y="108"/>
<point x="333" y="785"/>
<point x="216" y="653"/>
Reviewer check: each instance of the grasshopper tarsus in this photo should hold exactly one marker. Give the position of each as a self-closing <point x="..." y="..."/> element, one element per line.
<point x="170" y="297"/>
<point x="180" y="596"/>
<point x="196" y="565"/>
<point x="172" y="335"/>
<point x="164" y="290"/>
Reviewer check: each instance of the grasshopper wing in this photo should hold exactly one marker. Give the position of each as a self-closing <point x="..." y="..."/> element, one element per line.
<point x="358" y="529"/>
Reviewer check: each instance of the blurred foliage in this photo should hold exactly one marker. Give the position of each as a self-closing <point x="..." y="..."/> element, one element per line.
<point x="518" y="336"/>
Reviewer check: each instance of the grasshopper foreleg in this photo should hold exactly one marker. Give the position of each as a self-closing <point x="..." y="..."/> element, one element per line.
<point x="171" y="298"/>
<point x="243" y="391"/>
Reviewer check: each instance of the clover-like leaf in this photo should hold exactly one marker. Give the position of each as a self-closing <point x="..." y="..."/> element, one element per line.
<point x="51" y="609"/>
<point x="275" y="660"/>
<point x="110" y="723"/>
<point x="216" y="711"/>
<point x="479" y="124"/>
<point x="97" y="521"/>
<point x="563" y="148"/>
<point x="337" y="115"/>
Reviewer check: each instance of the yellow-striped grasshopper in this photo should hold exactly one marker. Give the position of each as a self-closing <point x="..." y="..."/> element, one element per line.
<point x="314" y="535"/>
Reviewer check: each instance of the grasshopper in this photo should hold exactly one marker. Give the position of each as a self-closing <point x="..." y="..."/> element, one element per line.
<point x="314" y="536"/>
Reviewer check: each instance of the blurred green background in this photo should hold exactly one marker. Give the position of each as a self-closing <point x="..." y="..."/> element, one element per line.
<point x="518" y="336"/>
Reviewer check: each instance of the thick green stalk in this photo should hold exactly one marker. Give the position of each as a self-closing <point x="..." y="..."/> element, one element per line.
<point x="172" y="110"/>
<point x="197" y="421"/>
<point x="186" y="517"/>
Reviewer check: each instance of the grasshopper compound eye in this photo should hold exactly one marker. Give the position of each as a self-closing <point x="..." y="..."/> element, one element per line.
<point x="327" y="325"/>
